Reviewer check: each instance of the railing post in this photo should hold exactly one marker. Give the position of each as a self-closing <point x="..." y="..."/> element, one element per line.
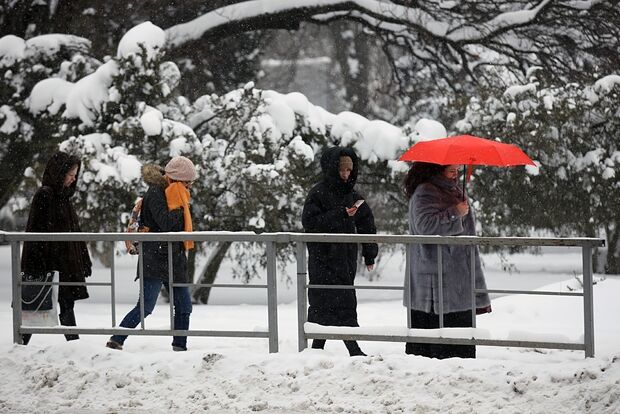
<point x="141" y="276"/>
<point x="112" y="285"/>
<point x="440" y="281"/>
<point x="588" y="301"/>
<point x="272" y="297"/>
<point x="407" y="284"/>
<point x="473" y="284"/>
<point x="17" y="293"/>
<point x="170" y="286"/>
<point x="301" y="296"/>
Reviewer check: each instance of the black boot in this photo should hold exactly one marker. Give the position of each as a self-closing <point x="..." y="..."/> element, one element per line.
<point x="318" y="344"/>
<point x="67" y="318"/>
<point x="354" y="348"/>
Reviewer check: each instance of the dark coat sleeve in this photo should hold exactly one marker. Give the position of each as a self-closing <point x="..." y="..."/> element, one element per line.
<point x="316" y="220"/>
<point x="365" y="224"/>
<point x="163" y="219"/>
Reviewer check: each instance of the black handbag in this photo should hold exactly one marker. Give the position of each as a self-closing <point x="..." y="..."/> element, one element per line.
<point x="37" y="297"/>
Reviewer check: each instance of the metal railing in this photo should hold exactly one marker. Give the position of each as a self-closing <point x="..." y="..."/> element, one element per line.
<point x="586" y="245"/>
<point x="15" y="239"/>
<point x="270" y="240"/>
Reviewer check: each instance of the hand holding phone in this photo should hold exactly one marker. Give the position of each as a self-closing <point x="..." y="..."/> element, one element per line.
<point x="353" y="209"/>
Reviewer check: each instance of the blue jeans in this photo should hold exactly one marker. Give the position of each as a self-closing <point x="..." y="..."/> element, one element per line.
<point x="182" y="310"/>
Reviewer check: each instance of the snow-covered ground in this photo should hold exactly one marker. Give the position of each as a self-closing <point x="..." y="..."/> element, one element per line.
<point x="224" y="375"/>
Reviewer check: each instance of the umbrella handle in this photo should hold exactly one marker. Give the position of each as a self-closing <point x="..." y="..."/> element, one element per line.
<point x="464" y="178"/>
<point x="467" y="172"/>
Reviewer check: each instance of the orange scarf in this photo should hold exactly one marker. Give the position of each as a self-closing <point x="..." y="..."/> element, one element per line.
<point x="177" y="196"/>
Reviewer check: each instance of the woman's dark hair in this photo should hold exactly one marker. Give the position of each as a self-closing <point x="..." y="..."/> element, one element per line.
<point x="419" y="173"/>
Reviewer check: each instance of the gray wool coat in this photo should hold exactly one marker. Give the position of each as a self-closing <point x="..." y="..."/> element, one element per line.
<point x="432" y="211"/>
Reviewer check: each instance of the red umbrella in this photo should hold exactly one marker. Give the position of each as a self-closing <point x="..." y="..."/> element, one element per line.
<point x="467" y="150"/>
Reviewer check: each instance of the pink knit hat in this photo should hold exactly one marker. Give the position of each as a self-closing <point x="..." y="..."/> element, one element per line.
<point x="181" y="169"/>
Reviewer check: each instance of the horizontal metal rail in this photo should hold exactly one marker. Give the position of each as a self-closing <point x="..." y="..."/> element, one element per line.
<point x="66" y="283"/>
<point x="529" y="292"/>
<point x="222" y="285"/>
<point x="146" y="332"/>
<point x="378" y="287"/>
<point x="449" y="341"/>
<point x="214" y="236"/>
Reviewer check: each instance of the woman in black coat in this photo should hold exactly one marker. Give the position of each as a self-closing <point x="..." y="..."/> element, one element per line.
<point x="51" y="210"/>
<point x="165" y="208"/>
<point x="330" y="208"/>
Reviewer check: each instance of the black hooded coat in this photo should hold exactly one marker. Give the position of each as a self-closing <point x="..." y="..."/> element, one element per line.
<point x="335" y="263"/>
<point x="51" y="210"/>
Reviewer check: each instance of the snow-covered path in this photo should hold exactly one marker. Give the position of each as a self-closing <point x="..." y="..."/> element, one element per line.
<point x="223" y="375"/>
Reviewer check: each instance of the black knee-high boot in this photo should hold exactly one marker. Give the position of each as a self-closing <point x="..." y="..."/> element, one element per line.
<point x="354" y="348"/>
<point x="318" y="343"/>
<point x="67" y="316"/>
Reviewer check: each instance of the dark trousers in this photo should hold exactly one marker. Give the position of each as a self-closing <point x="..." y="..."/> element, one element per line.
<point x="66" y="317"/>
<point x="352" y="346"/>
<point x="424" y="320"/>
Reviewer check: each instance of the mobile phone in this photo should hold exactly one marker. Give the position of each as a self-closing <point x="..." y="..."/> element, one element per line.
<point x="358" y="203"/>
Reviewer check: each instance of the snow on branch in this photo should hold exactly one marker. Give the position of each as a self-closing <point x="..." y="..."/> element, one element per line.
<point x="386" y="15"/>
<point x="499" y="23"/>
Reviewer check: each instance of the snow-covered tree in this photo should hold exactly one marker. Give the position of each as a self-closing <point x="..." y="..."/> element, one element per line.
<point x="24" y="137"/>
<point x="447" y="43"/>
<point x="260" y="158"/>
<point x="112" y="120"/>
<point x="255" y="169"/>
<point x="255" y="150"/>
<point x="571" y="131"/>
<point x="430" y="49"/>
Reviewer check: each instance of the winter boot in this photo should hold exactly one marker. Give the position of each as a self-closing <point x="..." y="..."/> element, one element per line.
<point x="354" y="348"/>
<point x="67" y="318"/>
<point x="318" y="344"/>
<point x="114" y="345"/>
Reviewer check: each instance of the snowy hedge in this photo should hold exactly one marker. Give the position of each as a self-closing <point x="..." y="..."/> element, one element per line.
<point x="572" y="132"/>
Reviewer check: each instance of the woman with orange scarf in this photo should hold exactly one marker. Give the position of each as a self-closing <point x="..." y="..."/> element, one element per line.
<point x="165" y="208"/>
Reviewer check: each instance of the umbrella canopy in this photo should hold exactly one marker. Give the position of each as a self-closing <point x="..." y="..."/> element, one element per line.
<point x="466" y="149"/>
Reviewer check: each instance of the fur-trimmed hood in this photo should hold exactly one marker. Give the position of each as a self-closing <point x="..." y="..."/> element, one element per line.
<point x="153" y="174"/>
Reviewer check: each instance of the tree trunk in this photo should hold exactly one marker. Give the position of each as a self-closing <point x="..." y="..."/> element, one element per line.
<point x="352" y="55"/>
<point x="201" y="294"/>
<point x="613" y="263"/>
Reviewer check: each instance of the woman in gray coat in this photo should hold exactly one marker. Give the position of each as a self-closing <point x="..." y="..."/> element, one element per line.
<point x="437" y="207"/>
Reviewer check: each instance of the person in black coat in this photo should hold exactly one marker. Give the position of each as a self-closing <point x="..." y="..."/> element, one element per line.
<point x="51" y="210"/>
<point x="331" y="208"/>
<point x="165" y="208"/>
